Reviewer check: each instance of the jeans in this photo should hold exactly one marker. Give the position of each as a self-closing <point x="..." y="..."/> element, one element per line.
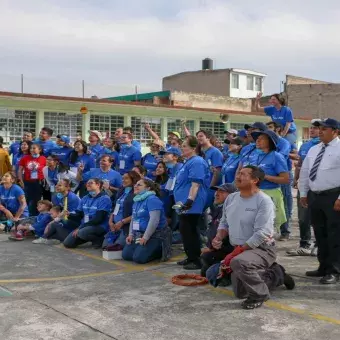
<point x="121" y="240"/>
<point x="304" y="224"/>
<point x="143" y="254"/>
<point x="288" y="202"/>
<point x="33" y="192"/>
<point x="57" y="231"/>
<point x="94" y="234"/>
<point x="291" y="137"/>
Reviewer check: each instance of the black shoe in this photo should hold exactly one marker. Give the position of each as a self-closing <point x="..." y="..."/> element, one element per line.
<point x="183" y="262"/>
<point x="192" y="266"/>
<point x="289" y="282"/>
<point x="249" y="303"/>
<point x="315" y="273"/>
<point x="330" y="279"/>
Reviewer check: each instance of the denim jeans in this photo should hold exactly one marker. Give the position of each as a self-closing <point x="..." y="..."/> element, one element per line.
<point x="94" y="234"/>
<point x="288" y="202"/>
<point x="121" y="240"/>
<point x="291" y="137"/>
<point x="142" y="254"/>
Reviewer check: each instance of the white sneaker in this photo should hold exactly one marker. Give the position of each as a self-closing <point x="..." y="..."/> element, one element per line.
<point x="40" y="240"/>
<point x="52" y="242"/>
<point x="300" y="252"/>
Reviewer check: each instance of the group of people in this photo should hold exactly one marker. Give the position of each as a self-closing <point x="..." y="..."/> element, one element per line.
<point x="237" y="194"/>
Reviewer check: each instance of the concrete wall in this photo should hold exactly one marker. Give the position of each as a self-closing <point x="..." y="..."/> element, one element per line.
<point x="294" y="80"/>
<point x="211" y="102"/>
<point x="214" y="82"/>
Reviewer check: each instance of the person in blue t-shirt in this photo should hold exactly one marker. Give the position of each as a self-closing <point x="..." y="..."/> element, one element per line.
<point x="112" y="180"/>
<point x="230" y="166"/>
<point x="129" y="156"/>
<point x="280" y="114"/>
<point x="65" y="198"/>
<point x="45" y="141"/>
<point x="162" y="179"/>
<point x="14" y="148"/>
<point x="92" y="216"/>
<point x="63" y="149"/>
<point x="147" y="225"/>
<point x="13" y="204"/>
<point x="109" y="148"/>
<point x="190" y="192"/>
<point x="305" y="247"/>
<point x="95" y="149"/>
<point x="136" y="144"/>
<point x="151" y="159"/>
<point x="24" y="149"/>
<point x="276" y="171"/>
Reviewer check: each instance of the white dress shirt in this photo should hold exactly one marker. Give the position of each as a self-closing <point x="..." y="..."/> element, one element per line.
<point x="328" y="174"/>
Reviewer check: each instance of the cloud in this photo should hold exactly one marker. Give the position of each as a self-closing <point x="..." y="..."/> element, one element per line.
<point x="139" y="42"/>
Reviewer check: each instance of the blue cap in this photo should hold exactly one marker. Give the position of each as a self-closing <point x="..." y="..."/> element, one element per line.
<point x="242" y="133"/>
<point x="257" y="125"/>
<point x="271" y="134"/>
<point x="328" y="122"/>
<point x="173" y="150"/>
<point x="64" y="138"/>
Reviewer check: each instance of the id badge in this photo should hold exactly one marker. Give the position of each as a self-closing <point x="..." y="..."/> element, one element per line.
<point x="115" y="212"/>
<point x="169" y="184"/>
<point x="34" y="174"/>
<point x="52" y="188"/>
<point x="121" y="164"/>
<point x="86" y="218"/>
<point x="135" y="225"/>
<point x="223" y="179"/>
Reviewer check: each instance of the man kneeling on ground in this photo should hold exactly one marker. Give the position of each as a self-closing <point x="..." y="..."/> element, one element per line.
<point x="248" y="219"/>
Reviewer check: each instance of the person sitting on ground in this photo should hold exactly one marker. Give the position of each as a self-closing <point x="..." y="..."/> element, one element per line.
<point x="35" y="225"/>
<point x="218" y="247"/>
<point x="149" y="237"/>
<point x="92" y="216"/>
<point x="248" y="219"/>
<point x="120" y="219"/>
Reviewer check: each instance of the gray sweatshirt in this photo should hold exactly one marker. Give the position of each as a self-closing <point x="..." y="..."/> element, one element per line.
<point x="155" y="216"/>
<point x="248" y="220"/>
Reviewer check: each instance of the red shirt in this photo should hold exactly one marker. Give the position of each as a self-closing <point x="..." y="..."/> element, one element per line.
<point x="33" y="167"/>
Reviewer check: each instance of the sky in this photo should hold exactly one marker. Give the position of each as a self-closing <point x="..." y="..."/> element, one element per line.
<point x="116" y="45"/>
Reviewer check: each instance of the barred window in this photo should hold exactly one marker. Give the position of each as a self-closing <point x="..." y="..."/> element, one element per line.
<point x="64" y="124"/>
<point x="237" y="126"/>
<point x="177" y="125"/>
<point x="139" y="131"/>
<point x="106" y="123"/>
<point x="13" y="123"/>
<point x="216" y="128"/>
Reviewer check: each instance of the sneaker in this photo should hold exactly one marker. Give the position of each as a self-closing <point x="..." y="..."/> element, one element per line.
<point x="183" y="262"/>
<point x="301" y="251"/>
<point x="51" y="242"/>
<point x="283" y="238"/>
<point x="40" y="240"/>
<point x="16" y="236"/>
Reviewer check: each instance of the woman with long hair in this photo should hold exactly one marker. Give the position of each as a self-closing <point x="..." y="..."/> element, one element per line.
<point x="24" y="149"/>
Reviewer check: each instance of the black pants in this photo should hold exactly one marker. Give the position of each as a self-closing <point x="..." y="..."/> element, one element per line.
<point x="59" y="232"/>
<point x="304" y="224"/>
<point x="326" y="224"/>
<point x="33" y="192"/>
<point x="190" y="236"/>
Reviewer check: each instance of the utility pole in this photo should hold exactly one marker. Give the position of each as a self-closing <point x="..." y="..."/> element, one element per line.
<point x="22" y="83"/>
<point x="83" y="88"/>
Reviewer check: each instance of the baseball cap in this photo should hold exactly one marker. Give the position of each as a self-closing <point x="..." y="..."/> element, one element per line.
<point x="257" y="125"/>
<point x="236" y="141"/>
<point x="173" y="150"/>
<point x="177" y="134"/>
<point x="328" y="122"/>
<point x="96" y="133"/>
<point x="271" y="134"/>
<point x="242" y="133"/>
<point x="228" y="187"/>
<point x="235" y="132"/>
<point x="64" y="138"/>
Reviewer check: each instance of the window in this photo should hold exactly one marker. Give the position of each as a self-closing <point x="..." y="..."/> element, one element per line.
<point x="106" y="124"/>
<point x="13" y="123"/>
<point x="234" y="81"/>
<point x="140" y="133"/>
<point x="237" y="126"/>
<point x="216" y="128"/>
<point x="64" y="124"/>
<point x="250" y="83"/>
<point x="177" y="125"/>
<point x="258" y="84"/>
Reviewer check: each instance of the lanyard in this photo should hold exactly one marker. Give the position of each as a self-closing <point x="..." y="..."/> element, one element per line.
<point x="258" y="162"/>
<point x="249" y="153"/>
<point x="235" y="160"/>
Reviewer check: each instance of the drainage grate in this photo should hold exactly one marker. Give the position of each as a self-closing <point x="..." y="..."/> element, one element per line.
<point x="4" y="292"/>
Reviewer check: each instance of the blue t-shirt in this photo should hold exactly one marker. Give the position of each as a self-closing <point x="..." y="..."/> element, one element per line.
<point x="63" y="153"/>
<point x="214" y="158"/>
<point x="9" y="198"/>
<point x="119" y="215"/>
<point x="90" y="205"/>
<point x="72" y="202"/>
<point x="137" y="145"/>
<point x="272" y="163"/>
<point x="53" y="175"/>
<point x="282" y="116"/>
<point x="41" y="222"/>
<point x="14" y="148"/>
<point x="149" y="161"/>
<point x="195" y="169"/>
<point x="127" y="158"/>
<point x="172" y="172"/>
<point x="304" y="148"/>
<point x="88" y="161"/>
<point x="47" y="145"/>
<point x="283" y="147"/>
<point x="247" y="153"/>
<point x="16" y="159"/>
<point x="229" y="168"/>
<point x="141" y="212"/>
<point x="112" y="176"/>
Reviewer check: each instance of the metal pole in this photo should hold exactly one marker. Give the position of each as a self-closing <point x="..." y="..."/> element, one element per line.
<point x="83" y="88"/>
<point x="22" y="83"/>
<point x="136" y="93"/>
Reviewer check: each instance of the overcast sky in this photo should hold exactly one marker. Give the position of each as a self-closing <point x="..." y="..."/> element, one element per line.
<point x="115" y="44"/>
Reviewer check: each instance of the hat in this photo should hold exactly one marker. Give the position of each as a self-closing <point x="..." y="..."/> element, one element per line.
<point x="177" y="134"/>
<point x="64" y="138"/>
<point x="173" y="150"/>
<point x="96" y="133"/>
<point x="228" y="187"/>
<point x="257" y="125"/>
<point x="242" y="133"/>
<point x="236" y="141"/>
<point x="315" y="122"/>
<point x="328" y="122"/>
<point x="271" y="134"/>
<point x="233" y="131"/>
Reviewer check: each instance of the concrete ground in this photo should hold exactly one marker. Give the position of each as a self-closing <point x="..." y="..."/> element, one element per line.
<point x="48" y="292"/>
